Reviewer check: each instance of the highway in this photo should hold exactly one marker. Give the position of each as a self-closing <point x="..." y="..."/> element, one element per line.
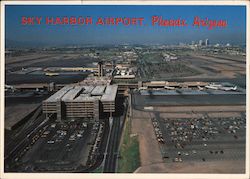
<point x="112" y="152"/>
<point x="113" y="144"/>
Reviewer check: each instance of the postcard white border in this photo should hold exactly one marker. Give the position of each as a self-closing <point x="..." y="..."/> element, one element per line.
<point x="113" y="176"/>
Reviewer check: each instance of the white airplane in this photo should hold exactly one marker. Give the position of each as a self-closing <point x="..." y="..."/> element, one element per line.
<point x="229" y="88"/>
<point x="8" y="87"/>
<point x="216" y="85"/>
<point x="169" y="87"/>
<point x="220" y="87"/>
<point x="143" y="88"/>
<point x="158" y="89"/>
<point x="212" y="87"/>
<point x="200" y="88"/>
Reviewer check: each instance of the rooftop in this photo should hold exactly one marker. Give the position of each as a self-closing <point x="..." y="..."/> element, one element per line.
<point x="85" y="93"/>
<point x="86" y="98"/>
<point x="110" y="93"/>
<point x="59" y="94"/>
<point x="72" y="94"/>
<point x="98" y="90"/>
<point x="88" y="89"/>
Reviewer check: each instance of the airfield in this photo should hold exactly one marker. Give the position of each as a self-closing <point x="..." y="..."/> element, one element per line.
<point x="181" y="129"/>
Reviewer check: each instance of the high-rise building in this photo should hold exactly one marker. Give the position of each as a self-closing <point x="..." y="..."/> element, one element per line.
<point x="100" y="69"/>
<point x="207" y="42"/>
<point x="200" y="42"/>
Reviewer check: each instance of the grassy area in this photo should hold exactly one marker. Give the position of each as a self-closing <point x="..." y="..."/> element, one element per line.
<point x="98" y="170"/>
<point x="129" y="152"/>
<point x="177" y="68"/>
<point x="152" y="57"/>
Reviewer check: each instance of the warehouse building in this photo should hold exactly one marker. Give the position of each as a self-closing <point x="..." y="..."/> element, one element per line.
<point x="81" y="102"/>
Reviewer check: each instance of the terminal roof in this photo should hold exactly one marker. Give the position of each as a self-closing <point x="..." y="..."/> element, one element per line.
<point x="59" y="94"/>
<point x="110" y="93"/>
<point x="85" y="93"/>
<point x="72" y="94"/>
<point x="98" y="90"/>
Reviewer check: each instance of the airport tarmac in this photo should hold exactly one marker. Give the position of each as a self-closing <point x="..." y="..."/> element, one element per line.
<point x="31" y="78"/>
<point x="140" y="101"/>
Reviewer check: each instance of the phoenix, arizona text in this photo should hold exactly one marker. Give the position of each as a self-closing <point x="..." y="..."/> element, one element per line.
<point x="125" y="21"/>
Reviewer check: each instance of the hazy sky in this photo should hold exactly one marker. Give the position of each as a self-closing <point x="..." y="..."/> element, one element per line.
<point x="234" y="33"/>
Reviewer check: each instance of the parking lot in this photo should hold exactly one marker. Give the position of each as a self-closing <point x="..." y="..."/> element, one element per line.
<point x="201" y="139"/>
<point x="63" y="146"/>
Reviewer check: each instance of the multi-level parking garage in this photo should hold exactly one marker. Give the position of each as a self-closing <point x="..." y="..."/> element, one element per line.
<point x="73" y="124"/>
<point x="81" y="101"/>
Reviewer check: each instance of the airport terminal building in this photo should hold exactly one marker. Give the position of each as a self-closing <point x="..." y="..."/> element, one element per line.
<point x="81" y="101"/>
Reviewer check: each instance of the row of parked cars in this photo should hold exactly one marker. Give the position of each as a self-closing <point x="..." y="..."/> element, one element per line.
<point x="97" y="131"/>
<point x="157" y="130"/>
